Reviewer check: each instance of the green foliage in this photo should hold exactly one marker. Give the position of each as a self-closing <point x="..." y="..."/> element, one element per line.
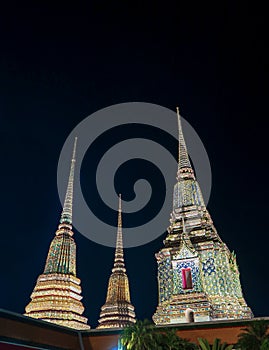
<point x="217" y="345"/>
<point x="140" y="336"/>
<point x="254" y="337"/>
<point x="265" y="344"/>
<point x="169" y="340"/>
<point x="143" y="335"/>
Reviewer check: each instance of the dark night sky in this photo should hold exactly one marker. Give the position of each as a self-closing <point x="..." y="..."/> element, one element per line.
<point x="59" y="64"/>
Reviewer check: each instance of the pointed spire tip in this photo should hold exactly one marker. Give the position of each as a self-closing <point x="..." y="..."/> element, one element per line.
<point x="74" y="148"/>
<point x="66" y="216"/>
<point x="119" y="202"/>
<point x="183" y="158"/>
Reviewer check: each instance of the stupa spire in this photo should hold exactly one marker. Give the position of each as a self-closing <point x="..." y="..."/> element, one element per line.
<point x="66" y="216"/>
<point x="184" y="165"/>
<point x="118" y="311"/>
<point x="57" y="295"/>
<point x="195" y="268"/>
<point x="119" y="257"/>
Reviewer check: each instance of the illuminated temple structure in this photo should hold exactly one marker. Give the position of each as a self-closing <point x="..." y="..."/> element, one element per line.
<point x="57" y="295"/>
<point x="117" y="312"/>
<point x="197" y="273"/>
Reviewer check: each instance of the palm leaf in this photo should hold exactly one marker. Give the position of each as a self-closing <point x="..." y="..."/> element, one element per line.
<point x="204" y="345"/>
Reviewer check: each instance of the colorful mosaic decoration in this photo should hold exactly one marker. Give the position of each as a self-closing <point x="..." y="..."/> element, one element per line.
<point x="57" y="295"/>
<point x="118" y="312"/>
<point x="196" y="270"/>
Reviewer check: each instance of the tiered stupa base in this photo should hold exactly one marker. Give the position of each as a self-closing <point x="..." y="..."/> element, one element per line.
<point x="56" y="298"/>
<point x="118" y="315"/>
<point x="221" y="308"/>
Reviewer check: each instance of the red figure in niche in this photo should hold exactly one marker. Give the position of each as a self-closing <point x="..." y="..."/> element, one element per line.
<point x="186" y="278"/>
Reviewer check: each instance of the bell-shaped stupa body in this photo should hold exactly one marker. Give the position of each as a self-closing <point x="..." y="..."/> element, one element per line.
<point x="118" y="312"/>
<point x="196" y="270"/>
<point x="57" y="295"/>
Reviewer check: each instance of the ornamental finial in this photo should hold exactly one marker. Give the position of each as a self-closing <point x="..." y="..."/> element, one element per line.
<point x="119" y="235"/>
<point x="184" y="165"/>
<point x="66" y="216"/>
<point x="119" y="259"/>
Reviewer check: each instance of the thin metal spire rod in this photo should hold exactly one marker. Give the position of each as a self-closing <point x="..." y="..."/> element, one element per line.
<point x="66" y="216"/>
<point x="183" y="158"/>
<point x="119" y="244"/>
<point x="119" y="258"/>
